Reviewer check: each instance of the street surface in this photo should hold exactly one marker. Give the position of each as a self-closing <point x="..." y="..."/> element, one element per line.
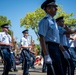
<point x="37" y="71"/>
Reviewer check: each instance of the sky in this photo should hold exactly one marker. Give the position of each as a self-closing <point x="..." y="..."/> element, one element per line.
<point x="14" y="10"/>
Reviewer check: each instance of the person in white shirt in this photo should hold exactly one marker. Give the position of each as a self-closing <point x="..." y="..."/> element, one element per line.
<point x="5" y="45"/>
<point x="25" y="45"/>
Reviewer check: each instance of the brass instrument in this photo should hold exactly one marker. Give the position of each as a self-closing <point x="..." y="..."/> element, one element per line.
<point x="32" y="44"/>
<point x="15" y="47"/>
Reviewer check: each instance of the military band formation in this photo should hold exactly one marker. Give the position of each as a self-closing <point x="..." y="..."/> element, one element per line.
<point x="56" y="42"/>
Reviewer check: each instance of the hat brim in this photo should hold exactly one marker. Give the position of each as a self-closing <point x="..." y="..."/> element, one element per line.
<point x="25" y="31"/>
<point x="5" y="27"/>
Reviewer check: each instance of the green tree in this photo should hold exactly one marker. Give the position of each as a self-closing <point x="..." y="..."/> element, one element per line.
<point x="68" y="17"/>
<point x="4" y="20"/>
<point x="32" y="19"/>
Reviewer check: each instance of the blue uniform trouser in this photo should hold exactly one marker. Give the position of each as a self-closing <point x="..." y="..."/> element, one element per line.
<point x="6" y="56"/>
<point x="72" y="66"/>
<point x="54" y="53"/>
<point x="27" y="61"/>
<point x="73" y="53"/>
<point x="13" y="61"/>
<point x="33" y="59"/>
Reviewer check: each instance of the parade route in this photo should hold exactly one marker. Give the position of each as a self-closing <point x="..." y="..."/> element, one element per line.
<point x="37" y="71"/>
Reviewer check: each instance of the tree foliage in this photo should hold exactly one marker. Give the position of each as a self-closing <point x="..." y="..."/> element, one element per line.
<point x="4" y="20"/>
<point x="32" y="19"/>
<point x="68" y="18"/>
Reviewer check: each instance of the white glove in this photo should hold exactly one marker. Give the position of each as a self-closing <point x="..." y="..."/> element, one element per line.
<point x="66" y="55"/>
<point x="47" y="59"/>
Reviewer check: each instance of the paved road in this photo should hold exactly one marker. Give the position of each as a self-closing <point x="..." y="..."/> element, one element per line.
<point x="36" y="71"/>
<point x="31" y="73"/>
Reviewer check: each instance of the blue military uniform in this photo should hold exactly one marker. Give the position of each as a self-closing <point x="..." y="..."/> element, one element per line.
<point x="5" y="50"/>
<point x="65" y="45"/>
<point x="25" y="52"/>
<point x="48" y="28"/>
<point x="64" y="42"/>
